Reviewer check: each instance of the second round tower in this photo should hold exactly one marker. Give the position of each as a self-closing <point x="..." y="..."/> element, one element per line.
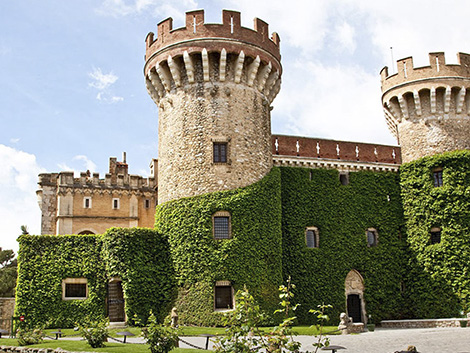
<point x="428" y="108"/>
<point x="213" y="84"/>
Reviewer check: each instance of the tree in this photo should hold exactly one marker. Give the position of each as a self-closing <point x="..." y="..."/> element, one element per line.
<point x="8" y="273"/>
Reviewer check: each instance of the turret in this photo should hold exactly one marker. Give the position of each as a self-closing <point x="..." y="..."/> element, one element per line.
<point x="428" y="108"/>
<point x="214" y="85"/>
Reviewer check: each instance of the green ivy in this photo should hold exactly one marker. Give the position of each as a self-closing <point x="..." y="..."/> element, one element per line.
<point x="43" y="262"/>
<point x="342" y="214"/>
<point x="443" y="287"/>
<point x="252" y="256"/>
<point x="139" y="256"/>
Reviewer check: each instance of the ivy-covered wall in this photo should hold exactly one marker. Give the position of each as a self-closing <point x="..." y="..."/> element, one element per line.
<point x="139" y="256"/>
<point x="252" y="256"/>
<point x="43" y="262"/>
<point x="342" y="214"/>
<point x="443" y="285"/>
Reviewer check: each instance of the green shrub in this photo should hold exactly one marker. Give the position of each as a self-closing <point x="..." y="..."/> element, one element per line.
<point x="160" y="338"/>
<point x="94" y="332"/>
<point x="27" y="336"/>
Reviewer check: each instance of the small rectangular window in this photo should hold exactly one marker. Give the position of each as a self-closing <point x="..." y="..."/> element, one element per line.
<point x="87" y="202"/>
<point x="221" y="227"/>
<point x="437" y="178"/>
<point x="344" y="178"/>
<point x="223" y="297"/>
<point x="115" y="204"/>
<point x="435" y="236"/>
<point x="147" y="203"/>
<point x="74" y="288"/>
<point x="220" y="152"/>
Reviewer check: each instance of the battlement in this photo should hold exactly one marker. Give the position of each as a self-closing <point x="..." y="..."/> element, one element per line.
<point x="206" y="53"/>
<point x="117" y="178"/>
<point x="315" y="148"/>
<point x="196" y="30"/>
<point x="407" y="73"/>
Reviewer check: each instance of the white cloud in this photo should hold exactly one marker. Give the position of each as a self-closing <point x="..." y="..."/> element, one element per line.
<point x="333" y="102"/>
<point x="89" y="165"/>
<point x="18" y="185"/>
<point x="102" y="81"/>
<point x="345" y="36"/>
<point x="15" y="140"/>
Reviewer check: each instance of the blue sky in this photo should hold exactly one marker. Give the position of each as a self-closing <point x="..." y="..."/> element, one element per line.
<point x="72" y="91"/>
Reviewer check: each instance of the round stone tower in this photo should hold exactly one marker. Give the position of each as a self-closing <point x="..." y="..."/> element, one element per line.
<point x="213" y="84"/>
<point x="428" y="108"/>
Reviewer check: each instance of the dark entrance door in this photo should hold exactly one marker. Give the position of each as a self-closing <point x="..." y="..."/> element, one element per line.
<point x="115" y="302"/>
<point x="354" y="307"/>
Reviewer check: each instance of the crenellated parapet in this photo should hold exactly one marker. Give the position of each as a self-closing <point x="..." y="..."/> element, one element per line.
<point x="309" y="152"/>
<point x="213" y="85"/>
<point x="428" y="108"/>
<point x="204" y="53"/>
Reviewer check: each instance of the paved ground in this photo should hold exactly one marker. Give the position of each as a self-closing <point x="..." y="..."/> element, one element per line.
<point x="432" y="340"/>
<point x="435" y="340"/>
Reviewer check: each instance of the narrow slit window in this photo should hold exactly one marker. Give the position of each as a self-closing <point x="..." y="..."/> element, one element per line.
<point x="87" y="202"/>
<point x="115" y="204"/>
<point x="437" y="176"/>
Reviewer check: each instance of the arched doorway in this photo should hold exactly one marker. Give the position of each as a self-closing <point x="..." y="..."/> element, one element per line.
<point x="354" y="291"/>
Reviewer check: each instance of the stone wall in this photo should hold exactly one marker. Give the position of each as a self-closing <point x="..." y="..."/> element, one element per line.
<point x="7" y="309"/>
<point x="61" y="199"/>
<point x="428" y="108"/>
<point x="213" y="83"/>
<point x="424" y="323"/>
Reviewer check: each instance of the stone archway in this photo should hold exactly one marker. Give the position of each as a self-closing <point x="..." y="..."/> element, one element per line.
<point x="354" y="291"/>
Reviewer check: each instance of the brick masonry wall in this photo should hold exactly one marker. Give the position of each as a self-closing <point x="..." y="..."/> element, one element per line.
<point x="330" y="149"/>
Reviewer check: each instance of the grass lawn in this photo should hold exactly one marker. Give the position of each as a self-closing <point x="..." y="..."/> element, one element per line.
<point x="196" y="331"/>
<point x="80" y="346"/>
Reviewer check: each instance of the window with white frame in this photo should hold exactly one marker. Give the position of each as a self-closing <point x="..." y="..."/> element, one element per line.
<point x="74" y="288"/>
<point x="87" y="202"/>
<point x="116" y="204"/>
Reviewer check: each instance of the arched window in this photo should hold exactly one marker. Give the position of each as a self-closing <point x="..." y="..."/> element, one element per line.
<point x="84" y="232"/>
<point x="312" y="237"/>
<point x="372" y="237"/>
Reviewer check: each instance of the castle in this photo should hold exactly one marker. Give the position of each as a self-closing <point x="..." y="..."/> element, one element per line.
<point x="238" y="206"/>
